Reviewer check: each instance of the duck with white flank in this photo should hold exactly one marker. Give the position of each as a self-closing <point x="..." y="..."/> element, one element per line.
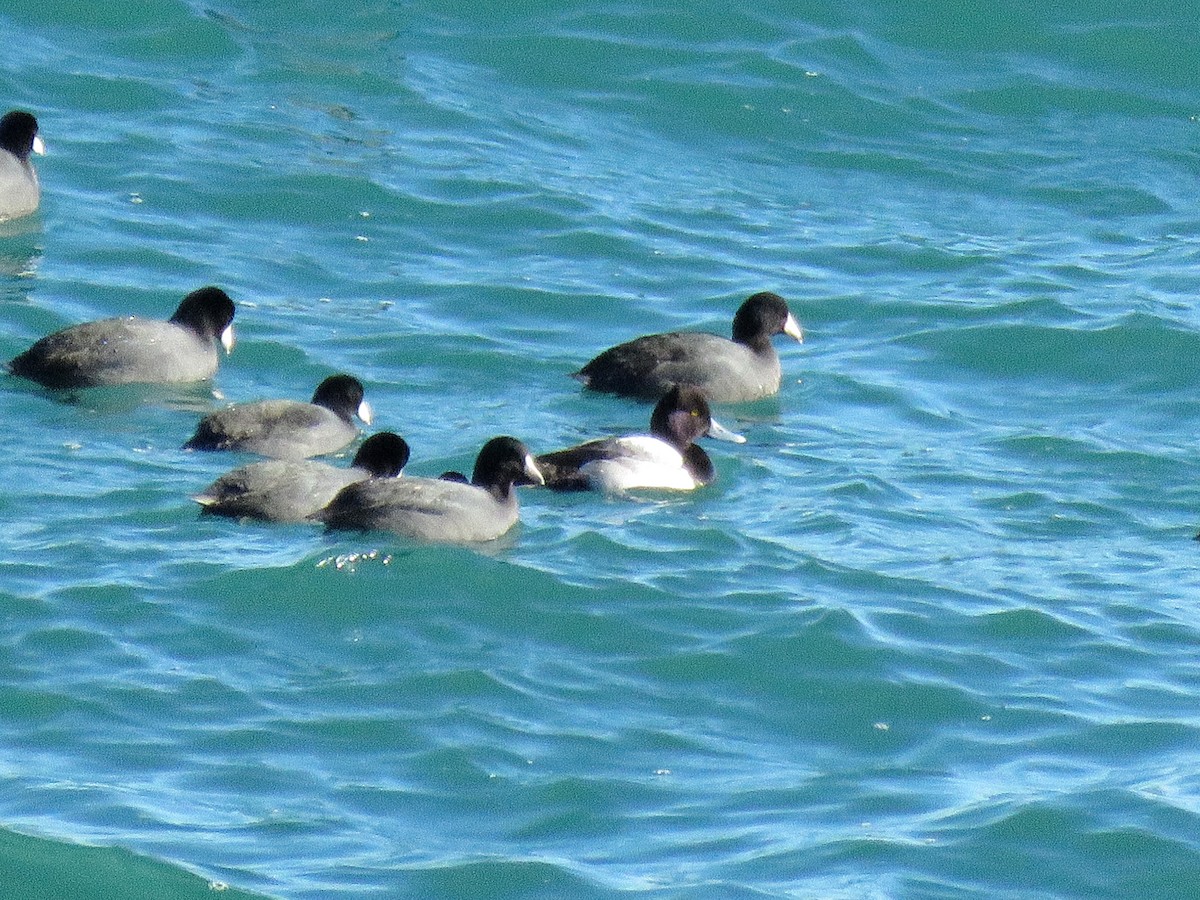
<point x="665" y="458"/>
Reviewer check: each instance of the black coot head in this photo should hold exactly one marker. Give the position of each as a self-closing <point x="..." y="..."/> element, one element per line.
<point x="18" y="131"/>
<point x="207" y="311"/>
<point x="342" y="394"/>
<point x="503" y="462"/>
<point x="384" y="455"/>
<point x="762" y="316"/>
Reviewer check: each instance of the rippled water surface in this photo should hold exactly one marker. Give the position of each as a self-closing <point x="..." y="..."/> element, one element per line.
<point x="933" y="633"/>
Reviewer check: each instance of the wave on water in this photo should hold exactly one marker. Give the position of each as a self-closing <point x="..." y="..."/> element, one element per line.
<point x="42" y="867"/>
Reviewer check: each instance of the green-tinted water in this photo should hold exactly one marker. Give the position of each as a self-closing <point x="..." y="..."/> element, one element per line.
<point x="932" y="633"/>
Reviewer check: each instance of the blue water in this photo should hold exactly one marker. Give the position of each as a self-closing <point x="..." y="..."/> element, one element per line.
<point x="934" y="632"/>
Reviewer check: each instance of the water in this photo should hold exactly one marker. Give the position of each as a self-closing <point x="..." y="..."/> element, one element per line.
<point x="933" y="634"/>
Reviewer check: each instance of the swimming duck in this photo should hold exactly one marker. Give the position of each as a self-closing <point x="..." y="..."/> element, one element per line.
<point x="728" y="371"/>
<point x="279" y="490"/>
<point x="133" y="350"/>
<point x="288" y="429"/>
<point x="20" y="192"/>
<point x="440" y="510"/>
<point x="665" y="458"/>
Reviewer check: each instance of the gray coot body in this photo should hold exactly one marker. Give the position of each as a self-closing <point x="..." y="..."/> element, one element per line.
<point x="439" y="510"/>
<point x="288" y="429"/>
<point x="666" y="458"/>
<point x="20" y="192"/>
<point x="276" y="490"/>
<point x="133" y="350"/>
<point x="728" y="371"/>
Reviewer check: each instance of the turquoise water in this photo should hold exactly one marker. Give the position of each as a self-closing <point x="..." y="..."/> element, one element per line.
<point x="934" y="632"/>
